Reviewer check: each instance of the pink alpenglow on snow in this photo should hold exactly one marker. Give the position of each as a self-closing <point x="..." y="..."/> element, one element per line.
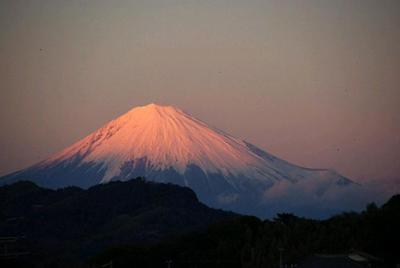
<point x="165" y="144"/>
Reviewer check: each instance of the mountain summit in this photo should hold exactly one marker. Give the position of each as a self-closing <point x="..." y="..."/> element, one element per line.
<point x="165" y="144"/>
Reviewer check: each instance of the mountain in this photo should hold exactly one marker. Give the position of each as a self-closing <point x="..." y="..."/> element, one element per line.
<point x="73" y="223"/>
<point x="165" y="144"/>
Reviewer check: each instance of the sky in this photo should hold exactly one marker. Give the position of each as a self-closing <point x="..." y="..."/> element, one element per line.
<point x="315" y="82"/>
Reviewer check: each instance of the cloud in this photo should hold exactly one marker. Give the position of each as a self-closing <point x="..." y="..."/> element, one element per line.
<point x="323" y="198"/>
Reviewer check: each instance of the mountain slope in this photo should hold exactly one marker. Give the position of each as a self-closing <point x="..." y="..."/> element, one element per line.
<point x="165" y="144"/>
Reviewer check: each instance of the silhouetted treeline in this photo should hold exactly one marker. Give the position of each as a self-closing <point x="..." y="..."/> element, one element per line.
<point x="250" y="242"/>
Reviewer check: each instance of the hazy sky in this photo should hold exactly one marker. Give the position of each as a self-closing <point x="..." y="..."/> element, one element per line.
<point x="314" y="82"/>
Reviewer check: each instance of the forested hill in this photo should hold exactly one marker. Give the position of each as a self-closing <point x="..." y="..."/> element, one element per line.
<point x="74" y="223"/>
<point x="146" y="224"/>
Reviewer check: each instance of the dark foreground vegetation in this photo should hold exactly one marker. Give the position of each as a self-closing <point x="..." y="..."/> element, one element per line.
<point x="61" y="228"/>
<point x="250" y="242"/>
<point x="165" y="226"/>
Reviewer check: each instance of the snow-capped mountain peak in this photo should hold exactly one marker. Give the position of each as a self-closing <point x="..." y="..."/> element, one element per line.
<point x="168" y="138"/>
<point x="163" y="143"/>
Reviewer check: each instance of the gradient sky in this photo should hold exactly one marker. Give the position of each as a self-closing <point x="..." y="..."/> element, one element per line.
<point x="314" y="82"/>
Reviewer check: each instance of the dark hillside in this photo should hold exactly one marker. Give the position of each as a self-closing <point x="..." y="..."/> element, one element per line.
<point x="73" y="223"/>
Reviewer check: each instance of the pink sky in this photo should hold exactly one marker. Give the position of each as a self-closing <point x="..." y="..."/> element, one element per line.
<point x="313" y="82"/>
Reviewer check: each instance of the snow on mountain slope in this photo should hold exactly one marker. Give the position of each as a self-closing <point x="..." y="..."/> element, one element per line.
<point x="167" y="137"/>
<point x="165" y="144"/>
